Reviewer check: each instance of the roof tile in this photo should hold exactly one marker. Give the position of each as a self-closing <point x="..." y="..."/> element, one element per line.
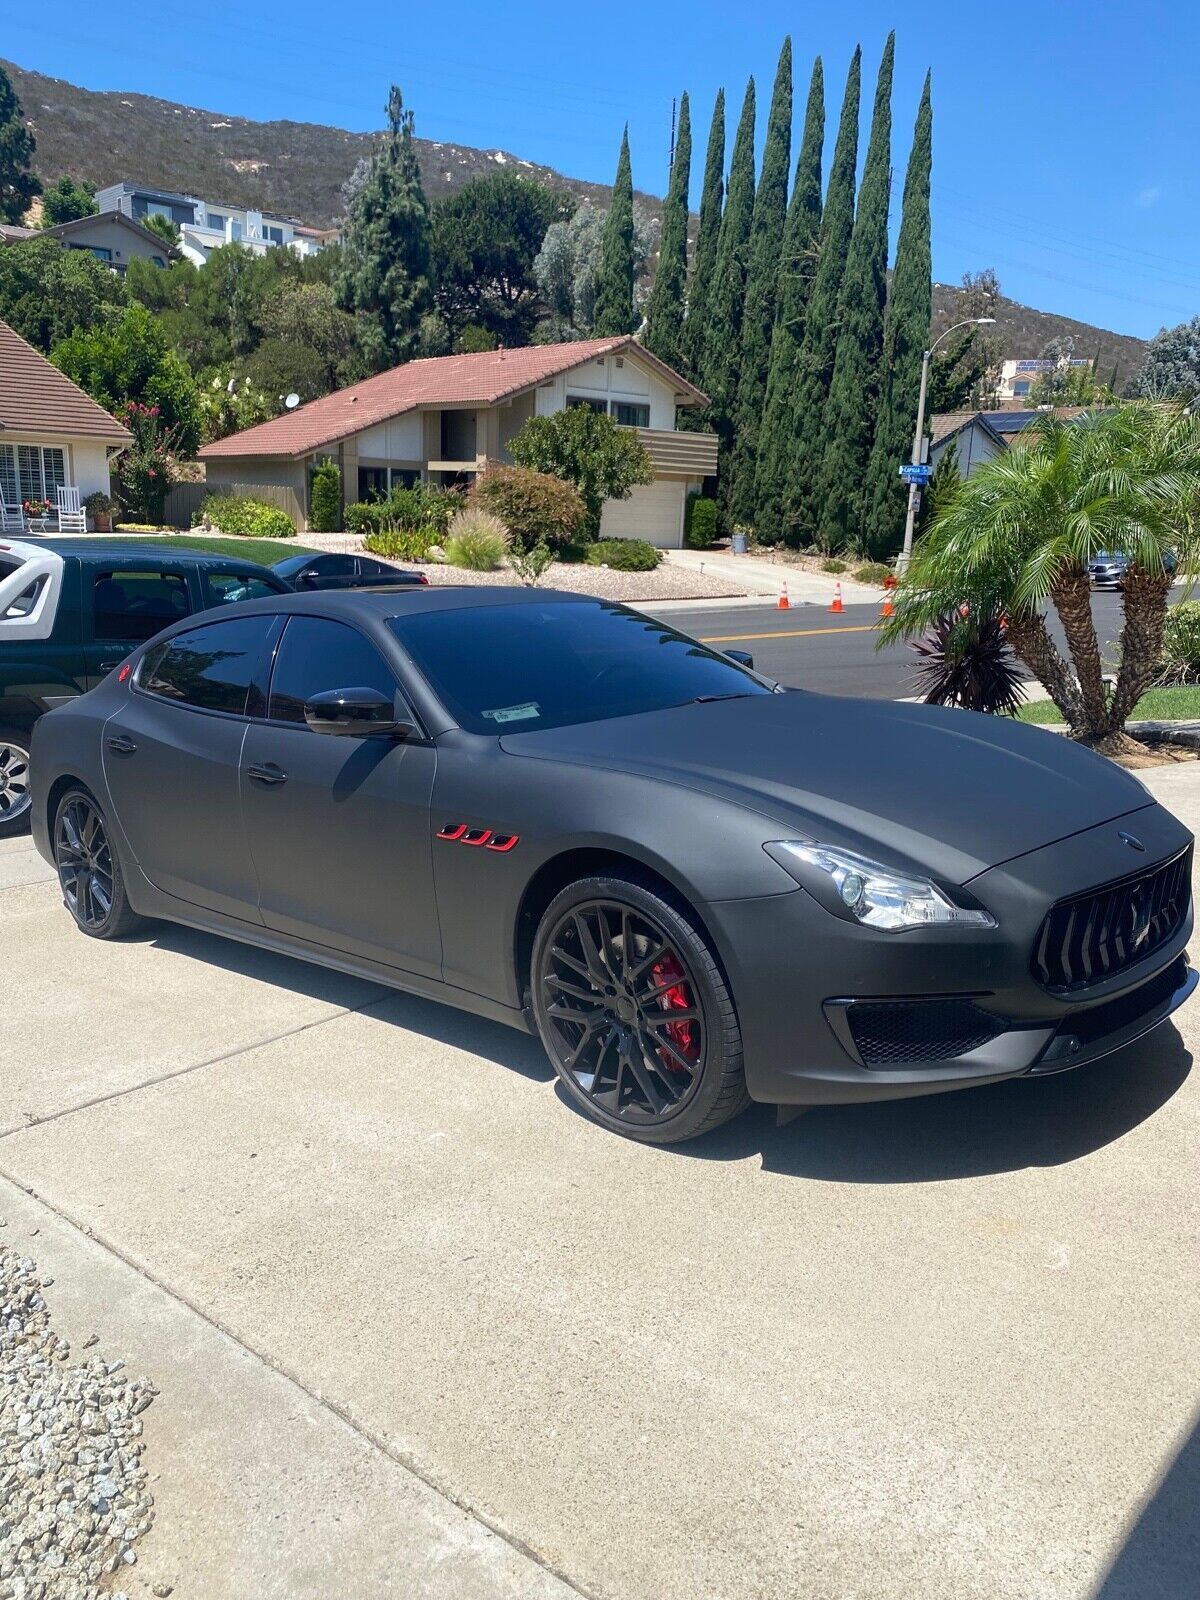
<point x="38" y="400"/>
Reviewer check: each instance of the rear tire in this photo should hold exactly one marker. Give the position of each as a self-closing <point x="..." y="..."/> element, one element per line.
<point x="89" y="869"/>
<point x="15" y="801"/>
<point x="634" y="1012"/>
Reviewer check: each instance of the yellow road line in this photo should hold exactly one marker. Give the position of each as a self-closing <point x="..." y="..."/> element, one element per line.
<point x="794" y="633"/>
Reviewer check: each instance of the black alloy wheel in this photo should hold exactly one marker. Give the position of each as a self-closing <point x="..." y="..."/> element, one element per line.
<point x="634" y="1014"/>
<point x="88" y="870"/>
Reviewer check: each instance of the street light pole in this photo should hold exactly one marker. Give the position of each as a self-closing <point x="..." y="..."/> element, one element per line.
<point x="914" y="489"/>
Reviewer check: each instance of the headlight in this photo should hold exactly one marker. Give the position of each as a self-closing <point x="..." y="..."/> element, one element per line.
<point x="870" y="893"/>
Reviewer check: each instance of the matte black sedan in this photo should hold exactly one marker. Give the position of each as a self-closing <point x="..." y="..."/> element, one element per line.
<point x="343" y="572"/>
<point x="561" y="814"/>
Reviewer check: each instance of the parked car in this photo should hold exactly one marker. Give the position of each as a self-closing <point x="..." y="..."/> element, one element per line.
<point x="568" y="816"/>
<point x="343" y="572"/>
<point x="1107" y="569"/>
<point x="72" y="609"/>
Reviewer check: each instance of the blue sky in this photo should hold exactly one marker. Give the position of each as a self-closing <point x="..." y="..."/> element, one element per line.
<point x="1064" y="135"/>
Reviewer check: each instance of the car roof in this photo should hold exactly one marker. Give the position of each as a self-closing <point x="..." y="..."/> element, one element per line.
<point x="381" y="604"/>
<point x="144" y="550"/>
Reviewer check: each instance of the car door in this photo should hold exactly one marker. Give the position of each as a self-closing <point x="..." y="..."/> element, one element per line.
<point x="339" y="827"/>
<point x="172" y="759"/>
<point x="328" y="572"/>
<point x="127" y="601"/>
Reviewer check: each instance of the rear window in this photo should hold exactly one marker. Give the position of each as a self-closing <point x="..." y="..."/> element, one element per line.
<point x="134" y="606"/>
<point x="208" y="668"/>
<point x="518" y="668"/>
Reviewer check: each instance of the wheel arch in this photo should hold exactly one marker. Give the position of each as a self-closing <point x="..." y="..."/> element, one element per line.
<point x="568" y="867"/>
<point x="60" y="786"/>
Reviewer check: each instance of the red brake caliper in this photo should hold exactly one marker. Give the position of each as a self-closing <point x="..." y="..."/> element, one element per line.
<point x="681" y="1034"/>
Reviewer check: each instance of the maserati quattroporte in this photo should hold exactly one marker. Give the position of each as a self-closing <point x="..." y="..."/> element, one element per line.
<point x="697" y="890"/>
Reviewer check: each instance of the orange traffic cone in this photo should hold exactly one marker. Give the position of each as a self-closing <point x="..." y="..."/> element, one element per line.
<point x="837" y="600"/>
<point x="889" y="609"/>
<point x="784" y="604"/>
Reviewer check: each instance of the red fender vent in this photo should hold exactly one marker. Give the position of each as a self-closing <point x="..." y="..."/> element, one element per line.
<point x="480" y="838"/>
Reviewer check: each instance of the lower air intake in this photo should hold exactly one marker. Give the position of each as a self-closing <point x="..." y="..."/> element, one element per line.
<point x="898" y="1033"/>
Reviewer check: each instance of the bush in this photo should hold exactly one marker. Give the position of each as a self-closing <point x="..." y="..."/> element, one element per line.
<point x="98" y="503"/>
<point x="571" y="553"/>
<point x="701" y="522"/>
<point x="535" y="507"/>
<point x="602" y="460"/>
<point x="1180" y="659"/>
<point x="252" y="519"/>
<point x="833" y="565"/>
<point x="401" y="544"/>
<point x="364" y="516"/>
<point x="970" y="664"/>
<point x="624" y="555"/>
<point x="872" y="572"/>
<point x="325" y="501"/>
<point x="476" y="540"/>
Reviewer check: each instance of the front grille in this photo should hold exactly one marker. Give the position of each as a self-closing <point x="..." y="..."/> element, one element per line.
<point x="1099" y="934"/>
<point x="895" y="1033"/>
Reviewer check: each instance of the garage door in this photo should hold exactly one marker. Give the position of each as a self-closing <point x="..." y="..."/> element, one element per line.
<point x="654" y="511"/>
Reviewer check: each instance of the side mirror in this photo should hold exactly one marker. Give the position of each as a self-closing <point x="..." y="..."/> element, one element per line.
<point x="308" y="576"/>
<point x="742" y="657"/>
<point x="355" y="713"/>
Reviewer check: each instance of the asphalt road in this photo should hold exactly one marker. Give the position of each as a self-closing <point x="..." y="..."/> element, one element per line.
<point x="808" y="648"/>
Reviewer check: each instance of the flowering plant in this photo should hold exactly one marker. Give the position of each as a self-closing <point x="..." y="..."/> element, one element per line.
<point x="37" y="508"/>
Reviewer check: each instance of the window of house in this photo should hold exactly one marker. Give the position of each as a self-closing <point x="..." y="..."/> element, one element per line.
<point x="134" y="606"/>
<point x="209" y="668"/>
<point x="372" y="483"/>
<point x="275" y="235"/>
<point x="1021" y="388"/>
<point x="630" y="415"/>
<point x="315" y="655"/>
<point x="235" y="229"/>
<point x="217" y="219"/>
<point x="598" y="406"/>
<point x="101" y="252"/>
<point x="31" y="472"/>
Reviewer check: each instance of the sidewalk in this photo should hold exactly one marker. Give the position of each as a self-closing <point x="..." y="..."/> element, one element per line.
<point x="761" y="578"/>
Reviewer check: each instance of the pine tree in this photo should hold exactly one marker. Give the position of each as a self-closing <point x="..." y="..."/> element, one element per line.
<point x="385" y="271"/>
<point x="797" y="265"/>
<point x="707" y="237"/>
<point x="814" y="367"/>
<point x="723" y="334"/>
<point x="906" y="334"/>
<point x="18" y="186"/>
<point x="762" y="288"/>
<point x="664" y="315"/>
<point x="614" y="285"/>
<point x="854" y="390"/>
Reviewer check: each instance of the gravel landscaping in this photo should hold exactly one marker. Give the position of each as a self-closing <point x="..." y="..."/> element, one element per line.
<point x="666" y="582"/>
<point x="73" y="1496"/>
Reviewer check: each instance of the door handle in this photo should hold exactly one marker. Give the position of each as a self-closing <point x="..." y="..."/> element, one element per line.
<point x="268" y="773"/>
<point x="122" y="745"/>
<point x="107" y="666"/>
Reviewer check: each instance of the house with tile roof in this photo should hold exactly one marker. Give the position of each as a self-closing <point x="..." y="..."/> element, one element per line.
<point x="442" y="419"/>
<point x="979" y="436"/>
<point x="51" y="432"/>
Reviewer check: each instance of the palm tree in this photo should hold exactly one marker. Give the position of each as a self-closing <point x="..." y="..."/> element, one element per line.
<point x="1020" y="531"/>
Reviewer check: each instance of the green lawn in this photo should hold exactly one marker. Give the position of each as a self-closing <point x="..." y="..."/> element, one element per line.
<point x="1160" y="705"/>
<point x="265" y="551"/>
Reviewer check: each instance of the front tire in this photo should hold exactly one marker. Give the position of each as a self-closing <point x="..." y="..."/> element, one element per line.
<point x="635" y="1014"/>
<point x="89" y="870"/>
<point x="15" y="800"/>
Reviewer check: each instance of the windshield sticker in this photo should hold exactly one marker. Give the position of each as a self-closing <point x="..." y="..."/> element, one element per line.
<point x="514" y="713"/>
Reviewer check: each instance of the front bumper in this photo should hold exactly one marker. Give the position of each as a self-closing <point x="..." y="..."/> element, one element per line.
<point x="804" y="981"/>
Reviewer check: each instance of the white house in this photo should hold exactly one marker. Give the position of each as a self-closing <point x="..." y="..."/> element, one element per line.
<point x="51" y="433"/>
<point x="443" y="419"/>
<point x="205" y="225"/>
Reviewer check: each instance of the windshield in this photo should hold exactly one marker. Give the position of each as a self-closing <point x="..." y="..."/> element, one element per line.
<point x="518" y="668"/>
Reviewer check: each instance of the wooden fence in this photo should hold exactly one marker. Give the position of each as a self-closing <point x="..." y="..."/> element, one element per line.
<point x="186" y="498"/>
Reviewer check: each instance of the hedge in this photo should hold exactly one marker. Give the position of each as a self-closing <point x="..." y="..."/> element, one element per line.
<point x="252" y="519"/>
<point x="624" y="555"/>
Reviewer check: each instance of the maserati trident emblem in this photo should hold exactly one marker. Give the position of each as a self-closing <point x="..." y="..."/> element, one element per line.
<point x="1133" y="842"/>
<point x="1139" y="920"/>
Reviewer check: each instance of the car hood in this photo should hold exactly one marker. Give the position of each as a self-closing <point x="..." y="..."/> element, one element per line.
<point x="950" y="791"/>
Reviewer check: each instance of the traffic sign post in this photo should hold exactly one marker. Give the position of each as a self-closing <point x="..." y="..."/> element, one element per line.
<point x="918" y="472"/>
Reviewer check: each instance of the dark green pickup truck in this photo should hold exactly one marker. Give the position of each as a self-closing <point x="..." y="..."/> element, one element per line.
<point x="72" y="609"/>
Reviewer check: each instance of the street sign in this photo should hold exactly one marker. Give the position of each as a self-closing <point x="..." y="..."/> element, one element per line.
<point x="916" y="472"/>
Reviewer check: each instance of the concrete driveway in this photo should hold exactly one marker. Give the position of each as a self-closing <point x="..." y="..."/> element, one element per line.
<point x="421" y="1330"/>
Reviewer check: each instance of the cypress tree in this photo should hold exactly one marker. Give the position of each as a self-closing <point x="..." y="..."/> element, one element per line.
<point x="18" y="186"/>
<point x="614" y="281"/>
<point x="814" y="367"/>
<point x="854" y="390"/>
<point x="906" y="334"/>
<point x="723" y="334"/>
<point x="707" y="236"/>
<point x="762" y="287"/>
<point x="664" y="315"/>
<point x="797" y="264"/>
<point x="385" y="275"/>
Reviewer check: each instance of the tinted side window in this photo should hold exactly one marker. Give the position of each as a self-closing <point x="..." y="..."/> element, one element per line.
<point x="136" y="605"/>
<point x="225" y="588"/>
<point x="208" y="667"/>
<point x="315" y="655"/>
<point x="335" y="566"/>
